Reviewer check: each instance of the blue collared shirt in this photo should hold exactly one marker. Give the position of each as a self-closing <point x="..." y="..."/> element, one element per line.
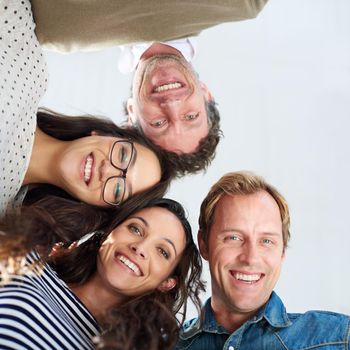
<point x="272" y="328"/>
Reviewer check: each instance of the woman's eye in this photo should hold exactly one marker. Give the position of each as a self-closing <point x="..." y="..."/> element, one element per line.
<point x="123" y="155"/>
<point x="164" y="253"/>
<point x="117" y="192"/>
<point x="134" y="229"/>
<point x="191" y="116"/>
<point x="158" y="123"/>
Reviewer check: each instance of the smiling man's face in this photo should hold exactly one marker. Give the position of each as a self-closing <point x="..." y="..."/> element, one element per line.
<point x="245" y="251"/>
<point x="168" y="103"/>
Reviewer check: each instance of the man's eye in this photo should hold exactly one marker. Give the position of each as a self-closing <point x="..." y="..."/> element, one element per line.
<point x="134" y="229"/>
<point x="191" y="116"/>
<point x="266" y="241"/>
<point x="158" y="123"/>
<point x="164" y="253"/>
<point x="232" y="238"/>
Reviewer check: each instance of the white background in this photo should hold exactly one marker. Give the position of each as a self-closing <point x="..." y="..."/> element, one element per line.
<point x="282" y="82"/>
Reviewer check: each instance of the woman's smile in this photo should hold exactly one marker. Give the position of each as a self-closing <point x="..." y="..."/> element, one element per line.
<point x="128" y="264"/>
<point x="88" y="169"/>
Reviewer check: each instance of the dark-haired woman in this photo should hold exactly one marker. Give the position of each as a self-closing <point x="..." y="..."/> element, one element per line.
<point x="121" y="287"/>
<point x="97" y="163"/>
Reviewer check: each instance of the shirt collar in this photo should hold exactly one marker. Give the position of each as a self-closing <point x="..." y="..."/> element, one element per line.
<point x="273" y="312"/>
<point x="131" y="54"/>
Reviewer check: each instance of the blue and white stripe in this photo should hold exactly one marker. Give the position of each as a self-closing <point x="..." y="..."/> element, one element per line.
<point x="39" y="311"/>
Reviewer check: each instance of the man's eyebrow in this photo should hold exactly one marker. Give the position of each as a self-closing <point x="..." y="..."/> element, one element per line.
<point x="232" y="229"/>
<point x="132" y="163"/>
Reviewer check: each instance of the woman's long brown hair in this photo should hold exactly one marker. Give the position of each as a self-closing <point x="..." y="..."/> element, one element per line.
<point x="67" y="128"/>
<point x="145" y="322"/>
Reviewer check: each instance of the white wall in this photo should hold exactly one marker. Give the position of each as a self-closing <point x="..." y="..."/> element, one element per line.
<point x="282" y="82"/>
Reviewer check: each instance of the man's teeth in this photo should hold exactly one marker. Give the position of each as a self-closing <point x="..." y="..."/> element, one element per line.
<point x="166" y="87"/>
<point x="129" y="264"/>
<point x="246" y="278"/>
<point x="87" y="170"/>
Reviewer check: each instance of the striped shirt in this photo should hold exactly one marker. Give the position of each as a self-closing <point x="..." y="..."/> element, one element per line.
<point x="39" y="311"/>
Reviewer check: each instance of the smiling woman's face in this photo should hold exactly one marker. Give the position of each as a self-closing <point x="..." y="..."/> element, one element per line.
<point x="141" y="253"/>
<point x="84" y="166"/>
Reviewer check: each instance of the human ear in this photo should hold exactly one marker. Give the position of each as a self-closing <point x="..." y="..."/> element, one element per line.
<point x="130" y="109"/>
<point x="167" y="285"/>
<point x="202" y="246"/>
<point x="206" y="92"/>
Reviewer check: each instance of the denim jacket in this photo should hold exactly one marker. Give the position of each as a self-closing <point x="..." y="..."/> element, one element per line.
<point x="272" y="328"/>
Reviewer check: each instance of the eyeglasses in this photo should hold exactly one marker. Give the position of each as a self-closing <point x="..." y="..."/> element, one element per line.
<point x="120" y="157"/>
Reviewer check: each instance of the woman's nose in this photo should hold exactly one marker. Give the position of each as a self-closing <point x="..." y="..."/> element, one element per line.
<point x="107" y="170"/>
<point x="139" y="249"/>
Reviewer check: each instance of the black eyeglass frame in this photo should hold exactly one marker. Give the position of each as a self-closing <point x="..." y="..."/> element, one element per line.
<point x="125" y="170"/>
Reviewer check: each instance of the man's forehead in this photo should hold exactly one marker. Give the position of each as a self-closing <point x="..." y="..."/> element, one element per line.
<point x="230" y="205"/>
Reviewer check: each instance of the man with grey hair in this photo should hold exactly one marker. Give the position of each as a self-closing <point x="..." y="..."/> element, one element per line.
<point x="243" y="234"/>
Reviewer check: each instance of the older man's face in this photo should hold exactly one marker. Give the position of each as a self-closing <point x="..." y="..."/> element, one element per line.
<point x="169" y="103"/>
<point x="245" y="251"/>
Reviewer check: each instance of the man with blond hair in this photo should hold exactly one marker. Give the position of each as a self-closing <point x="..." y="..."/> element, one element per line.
<point x="243" y="234"/>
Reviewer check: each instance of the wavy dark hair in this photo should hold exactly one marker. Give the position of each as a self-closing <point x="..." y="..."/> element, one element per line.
<point x="67" y="128"/>
<point x="201" y="158"/>
<point x="145" y="322"/>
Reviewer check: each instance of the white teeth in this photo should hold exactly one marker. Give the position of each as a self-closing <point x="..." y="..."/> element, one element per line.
<point x="246" y="278"/>
<point x="87" y="169"/>
<point x="166" y="87"/>
<point x="129" y="264"/>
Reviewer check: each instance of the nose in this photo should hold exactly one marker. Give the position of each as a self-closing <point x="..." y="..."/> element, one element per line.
<point x="139" y="248"/>
<point x="170" y="102"/>
<point x="249" y="254"/>
<point x="173" y="108"/>
<point x="107" y="170"/>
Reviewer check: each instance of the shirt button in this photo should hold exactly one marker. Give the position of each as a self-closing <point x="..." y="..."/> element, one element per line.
<point x="231" y="348"/>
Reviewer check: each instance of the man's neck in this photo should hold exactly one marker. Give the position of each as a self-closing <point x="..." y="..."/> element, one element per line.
<point x="228" y="317"/>
<point x="159" y="49"/>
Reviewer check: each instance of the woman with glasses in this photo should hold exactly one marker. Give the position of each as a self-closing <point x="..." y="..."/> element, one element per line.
<point x="93" y="160"/>
<point x="120" y="287"/>
<point x="74" y="160"/>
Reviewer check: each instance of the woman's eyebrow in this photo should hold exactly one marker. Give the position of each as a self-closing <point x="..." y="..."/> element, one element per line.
<point x="171" y="243"/>
<point x="141" y="219"/>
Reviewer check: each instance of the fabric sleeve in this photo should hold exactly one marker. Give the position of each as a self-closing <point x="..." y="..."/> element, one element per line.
<point x="23" y="82"/>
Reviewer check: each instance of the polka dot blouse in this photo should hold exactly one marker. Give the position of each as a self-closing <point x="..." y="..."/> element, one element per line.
<point x="23" y="80"/>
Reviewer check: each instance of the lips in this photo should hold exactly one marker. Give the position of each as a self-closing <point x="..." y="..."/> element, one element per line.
<point x="249" y="278"/>
<point x="88" y="170"/>
<point x="131" y="265"/>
